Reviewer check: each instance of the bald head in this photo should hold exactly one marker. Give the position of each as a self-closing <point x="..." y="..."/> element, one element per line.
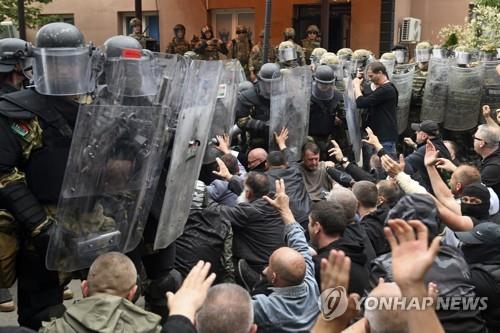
<point x="345" y="198"/>
<point x="255" y="157"/>
<point x="464" y="175"/>
<point x="112" y="273"/>
<point x="227" y="309"/>
<point x="287" y="267"/>
<point x="385" y="321"/>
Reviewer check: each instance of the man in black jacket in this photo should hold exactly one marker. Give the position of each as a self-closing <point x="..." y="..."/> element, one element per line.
<point x="486" y="144"/>
<point x="257" y="226"/>
<point x="428" y="130"/>
<point x="480" y="248"/>
<point x="327" y="223"/>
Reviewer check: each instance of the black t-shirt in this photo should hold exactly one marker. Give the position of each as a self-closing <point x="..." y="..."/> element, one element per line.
<point x="381" y="117"/>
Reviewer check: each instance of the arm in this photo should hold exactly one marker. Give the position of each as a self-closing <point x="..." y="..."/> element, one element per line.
<point x="377" y="97"/>
<point x="227" y="257"/>
<point x="411" y="260"/>
<point x="235" y="183"/>
<point x="453" y="220"/>
<point x="441" y="190"/>
<point x="487" y="116"/>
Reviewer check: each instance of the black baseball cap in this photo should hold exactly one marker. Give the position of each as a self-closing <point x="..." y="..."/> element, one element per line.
<point x="487" y="233"/>
<point x="427" y="126"/>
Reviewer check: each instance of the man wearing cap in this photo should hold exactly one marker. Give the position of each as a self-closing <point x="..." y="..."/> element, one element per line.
<point x="414" y="163"/>
<point x="481" y="251"/>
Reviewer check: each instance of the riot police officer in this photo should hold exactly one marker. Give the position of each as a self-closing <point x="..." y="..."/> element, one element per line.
<point x="325" y="121"/>
<point x="422" y="56"/>
<point x="289" y="35"/>
<point x="253" y="106"/>
<point x="287" y="55"/>
<point x="179" y="45"/>
<point x="13" y="64"/>
<point x="311" y="42"/>
<point x="35" y="136"/>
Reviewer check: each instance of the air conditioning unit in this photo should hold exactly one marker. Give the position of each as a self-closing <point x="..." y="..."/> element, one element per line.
<point x="411" y="29"/>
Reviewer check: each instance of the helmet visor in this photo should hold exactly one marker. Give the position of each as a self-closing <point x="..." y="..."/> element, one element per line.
<point x="422" y="55"/>
<point x="323" y="91"/>
<point x="288" y="54"/>
<point x="130" y="77"/>
<point x="62" y="71"/>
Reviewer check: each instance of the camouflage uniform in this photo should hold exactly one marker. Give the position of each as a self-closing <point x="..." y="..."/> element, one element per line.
<point x="309" y="45"/>
<point x="178" y="46"/>
<point x="301" y="58"/>
<point x="257" y="58"/>
<point x="417" y="95"/>
<point x="209" y="49"/>
<point x="241" y="50"/>
<point x="141" y="38"/>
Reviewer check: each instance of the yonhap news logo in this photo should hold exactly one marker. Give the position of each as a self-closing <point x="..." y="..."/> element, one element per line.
<point x="333" y="302"/>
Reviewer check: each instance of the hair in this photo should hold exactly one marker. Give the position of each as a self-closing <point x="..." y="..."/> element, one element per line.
<point x="345" y="198"/>
<point x="331" y="216"/>
<point x="489" y="134"/>
<point x="390" y="320"/>
<point x="390" y="190"/>
<point x="377" y="67"/>
<point x="231" y="163"/>
<point x="310" y="146"/>
<point x="366" y="192"/>
<point x="112" y="273"/>
<point x="276" y="158"/>
<point x="467" y="174"/>
<point x="258" y="183"/>
<point x="227" y="309"/>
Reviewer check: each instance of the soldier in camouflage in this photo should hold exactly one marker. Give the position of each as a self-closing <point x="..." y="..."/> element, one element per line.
<point x="287" y="55"/>
<point x="179" y="45"/>
<point x="311" y="42"/>
<point x="208" y="46"/>
<point x="240" y="47"/>
<point x="136" y="25"/>
<point x="257" y="57"/>
<point x="289" y="35"/>
<point x="423" y="52"/>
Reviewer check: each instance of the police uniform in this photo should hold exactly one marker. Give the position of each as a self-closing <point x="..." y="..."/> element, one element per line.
<point x="417" y="94"/>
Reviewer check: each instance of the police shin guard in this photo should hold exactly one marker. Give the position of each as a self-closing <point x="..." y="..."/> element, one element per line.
<point x="155" y="292"/>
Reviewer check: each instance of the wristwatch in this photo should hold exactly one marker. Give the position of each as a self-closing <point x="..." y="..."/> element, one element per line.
<point x="344" y="161"/>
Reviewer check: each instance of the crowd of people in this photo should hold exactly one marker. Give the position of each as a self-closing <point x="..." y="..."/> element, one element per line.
<point x="273" y="242"/>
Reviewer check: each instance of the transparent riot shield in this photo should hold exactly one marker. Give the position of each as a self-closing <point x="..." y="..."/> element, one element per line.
<point x="290" y="98"/>
<point x="225" y="107"/>
<point x="403" y="80"/>
<point x="491" y="85"/>
<point x="436" y="90"/>
<point x="464" y="98"/>
<point x="191" y="138"/>
<point x="108" y="185"/>
<point x="353" y="119"/>
<point x="389" y="64"/>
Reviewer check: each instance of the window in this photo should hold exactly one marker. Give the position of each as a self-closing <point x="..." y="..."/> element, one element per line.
<point x="66" y="18"/>
<point x="150" y="24"/>
<point x="226" y="20"/>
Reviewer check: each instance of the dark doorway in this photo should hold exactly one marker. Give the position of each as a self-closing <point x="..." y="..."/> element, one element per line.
<point x="340" y="23"/>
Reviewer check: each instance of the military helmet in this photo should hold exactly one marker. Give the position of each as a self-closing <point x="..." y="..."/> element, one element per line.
<point x="289" y="33"/>
<point x="312" y="28"/>
<point x="206" y="29"/>
<point x="12" y="52"/>
<point x="424" y="45"/>
<point x="388" y="56"/>
<point x="318" y="52"/>
<point x="192" y="55"/>
<point x="344" y="54"/>
<point x="179" y="27"/>
<point x="135" y="22"/>
<point x="287" y="51"/>
<point x="269" y="71"/>
<point x="114" y="46"/>
<point x="329" y="58"/>
<point x="423" y="52"/>
<point x="59" y="34"/>
<point x="324" y="74"/>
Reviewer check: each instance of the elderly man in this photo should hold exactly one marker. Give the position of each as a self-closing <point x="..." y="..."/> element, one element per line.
<point x="486" y="141"/>
<point x="292" y="307"/>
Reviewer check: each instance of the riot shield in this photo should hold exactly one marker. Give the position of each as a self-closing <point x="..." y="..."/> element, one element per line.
<point x="225" y="107"/>
<point x="464" y="98"/>
<point x="108" y="185"/>
<point x="436" y="90"/>
<point x="403" y="80"/>
<point x="389" y="64"/>
<point x="190" y="142"/>
<point x="353" y="119"/>
<point x="491" y="85"/>
<point x="290" y="98"/>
